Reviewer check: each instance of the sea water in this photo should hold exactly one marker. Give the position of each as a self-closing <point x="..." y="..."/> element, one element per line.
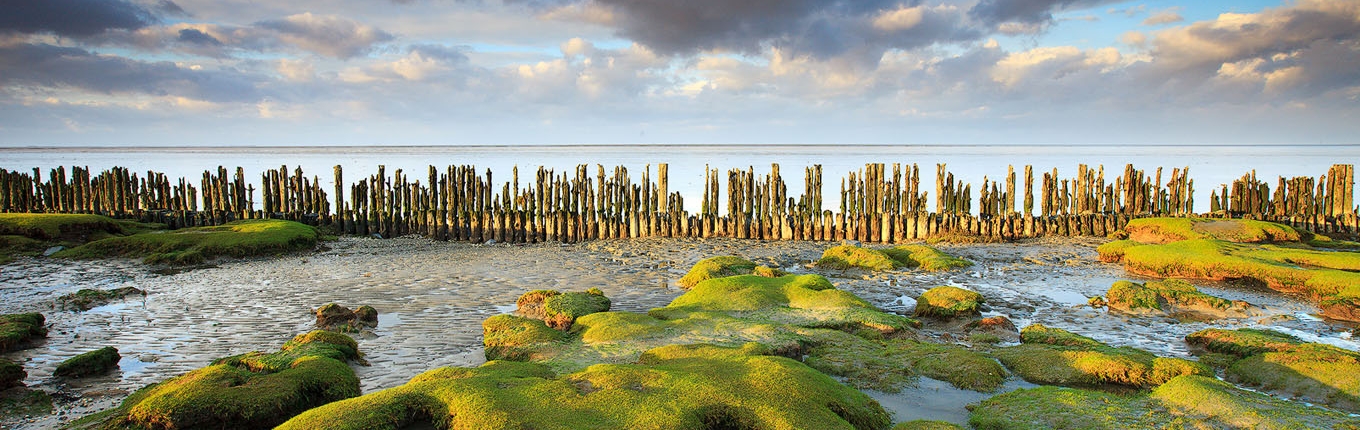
<point x="1210" y="165"/>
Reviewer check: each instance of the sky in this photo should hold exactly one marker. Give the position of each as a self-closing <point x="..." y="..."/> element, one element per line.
<point x="496" y="72"/>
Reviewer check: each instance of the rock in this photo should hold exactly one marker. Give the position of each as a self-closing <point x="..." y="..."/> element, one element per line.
<point x="948" y="302"/>
<point x="16" y="330"/>
<point x="1175" y="298"/>
<point x="11" y="374"/>
<point x="1096" y="302"/>
<point x="339" y="318"/>
<point x="53" y="250"/>
<point x="88" y="298"/>
<point x="91" y="363"/>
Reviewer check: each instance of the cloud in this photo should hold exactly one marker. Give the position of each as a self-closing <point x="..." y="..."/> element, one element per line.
<point x="326" y="34"/>
<point x="79" y="18"/>
<point x="1025" y="16"/>
<point x="1167" y="16"/>
<point x="48" y="66"/>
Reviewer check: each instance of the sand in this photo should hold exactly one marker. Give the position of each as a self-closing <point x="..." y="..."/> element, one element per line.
<point x="432" y="296"/>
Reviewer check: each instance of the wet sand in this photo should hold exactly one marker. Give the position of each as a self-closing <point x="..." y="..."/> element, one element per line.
<point x="432" y="296"/>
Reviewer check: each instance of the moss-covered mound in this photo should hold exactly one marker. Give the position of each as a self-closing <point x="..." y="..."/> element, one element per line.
<point x="948" y="302"/>
<point x="926" y="425"/>
<point x="253" y="390"/>
<point x="89" y="298"/>
<point x="511" y="337"/>
<point x="24" y="402"/>
<point x="1189" y="401"/>
<point x="560" y="310"/>
<point x="335" y="317"/>
<point x="11" y="374"/>
<point x="1328" y="277"/>
<point x="97" y="362"/>
<point x="716" y="267"/>
<point x="850" y="256"/>
<point x="18" y="329"/>
<point x="197" y="244"/>
<point x="682" y="387"/>
<point x="55" y="227"/>
<point x="1173" y="297"/>
<point x="1283" y="364"/>
<point x="1054" y="356"/>
<point x="925" y="258"/>
<point x="1167" y="230"/>
<point x="889" y="364"/>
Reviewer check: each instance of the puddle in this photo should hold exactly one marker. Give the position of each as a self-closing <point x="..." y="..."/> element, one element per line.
<point x="934" y="399"/>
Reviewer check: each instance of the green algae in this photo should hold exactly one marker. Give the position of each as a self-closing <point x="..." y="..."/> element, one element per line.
<point x="511" y="337"/>
<point x="52" y="227"/>
<point x="1054" y="356"/>
<point x="925" y="258"/>
<point x="18" y="329"/>
<point x="561" y="310"/>
<point x="716" y="267"/>
<point x="1172" y="297"/>
<point x="11" y="374"/>
<point x="23" y="402"/>
<point x="842" y="257"/>
<point x="91" y="363"/>
<point x="1190" y="401"/>
<point x="683" y="387"/>
<point x="926" y="425"/>
<point x="89" y="298"/>
<point x="948" y="302"/>
<point x="253" y="390"/>
<point x="889" y="364"/>
<point x="1165" y="230"/>
<point x="197" y="244"/>
<point x="1283" y="364"/>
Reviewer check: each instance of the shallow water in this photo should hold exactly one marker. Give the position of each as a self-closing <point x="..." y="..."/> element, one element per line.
<point x="432" y="296"/>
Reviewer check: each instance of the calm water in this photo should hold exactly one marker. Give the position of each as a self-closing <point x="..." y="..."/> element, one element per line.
<point x="1210" y="165"/>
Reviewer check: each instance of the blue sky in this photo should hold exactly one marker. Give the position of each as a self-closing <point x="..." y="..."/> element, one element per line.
<point x="436" y="72"/>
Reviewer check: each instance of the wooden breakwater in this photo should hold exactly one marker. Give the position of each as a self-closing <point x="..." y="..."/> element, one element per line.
<point x="879" y="203"/>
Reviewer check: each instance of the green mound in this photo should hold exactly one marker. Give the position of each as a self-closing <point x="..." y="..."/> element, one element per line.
<point x="716" y="267"/>
<point x="18" y="329"/>
<point x="1283" y="364"/>
<point x="510" y="337"/>
<point x="926" y="425"/>
<point x="11" y="374"/>
<point x="253" y="390"/>
<point x="1166" y="230"/>
<point x="889" y="365"/>
<point x="198" y="244"/>
<point x="91" y="363"/>
<point x="89" y="298"/>
<point x="55" y="227"/>
<point x="561" y="310"/>
<point x="849" y="256"/>
<point x="1328" y="277"/>
<point x="948" y="302"/>
<point x="925" y="258"/>
<point x="24" y="402"/>
<point x="336" y="317"/>
<point x="683" y="387"/>
<point x="1189" y="401"/>
<point x="1053" y="356"/>
<point x="1173" y="297"/>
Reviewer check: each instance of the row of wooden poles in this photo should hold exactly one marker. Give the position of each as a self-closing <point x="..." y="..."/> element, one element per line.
<point x="879" y="203"/>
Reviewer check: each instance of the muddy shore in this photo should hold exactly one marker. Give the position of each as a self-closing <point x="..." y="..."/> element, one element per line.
<point x="432" y="296"/>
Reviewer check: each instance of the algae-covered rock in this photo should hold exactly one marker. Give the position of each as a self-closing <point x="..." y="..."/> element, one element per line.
<point x="335" y="317"/>
<point x="998" y="327"/>
<point x="97" y="362"/>
<point x="24" y="402"/>
<point x="253" y="390"/>
<point x="1057" y="357"/>
<point x="11" y="374"/>
<point x="680" y="387"/>
<point x="511" y="337"/>
<point x="716" y="267"/>
<point x="948" y="302"/>
<point x="850" y="256"/>
<point x="1254" y="251"/>
<point x="926" y="425"/>
<point x="560" y="310"/>
<point x="88" y="298"/>
<point x="889" y="365"/>
<point x="1176" y="298"/>
<point x="1286" y="365"/>
<point x="18" y="329"/>
<point x="1190" y="401"/>
<point x="925" y="258"/>
<point x="195" y="245"/>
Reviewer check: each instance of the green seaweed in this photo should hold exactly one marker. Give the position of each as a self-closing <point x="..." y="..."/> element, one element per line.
<point x="52" y="227"/>
<point x="91" y="363"/>
<point x="889" y="365"/>
<point x="1244" y="342"/>
<point x="925" y="258"/>
<point x="926" y="425"/>
<point x="1284" y="364"/>
<point x="253" y="390"/>
<point x="716" y="267"/>
<point x="11" y="374"/>
<point x="25" y="402"/>
<point x="561" y="310"/>
<point x="1054" y="356"/>
<point x="197" y="244"/>
<point x="1173" y="296"/>
<point x="948" y="302"/>
<point x="510" y="337"/>
<point x="18" y="329"/>
<point x="88" y="298"/>
<point x="683" y="387"/>
<point x="850" y="256"/>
